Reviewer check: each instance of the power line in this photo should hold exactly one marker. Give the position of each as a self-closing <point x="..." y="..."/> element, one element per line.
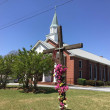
<point x="37" y="14"/>
<point x="64" y="3"/>
<point x="28" y="15"/>
<point x="25" y="19"/>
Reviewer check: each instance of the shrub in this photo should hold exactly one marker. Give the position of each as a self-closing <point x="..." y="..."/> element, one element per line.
<point x="107" y="83"/>
<point x="81" y="81"/>
<point x="99" y="83"/>
<point x="90" y="82"/>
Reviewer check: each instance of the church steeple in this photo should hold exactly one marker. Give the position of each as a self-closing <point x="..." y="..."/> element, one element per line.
<point x="54" y="21"/>
<point x="53" y="29"/>
<point x="54" y="25"/>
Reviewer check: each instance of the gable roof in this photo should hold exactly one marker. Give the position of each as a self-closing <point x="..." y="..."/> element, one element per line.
<point x="47" y="45"/>
<point x="51" y="40"/>
<point x="87" y="55"/>
<point x="77" y="52"/>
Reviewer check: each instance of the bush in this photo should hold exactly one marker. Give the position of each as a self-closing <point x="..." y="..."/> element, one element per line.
<point x="107" y="83"/>
<point x="99" y="83"/>
<point x="81" y="81"/>
<point x="90" y="82"/>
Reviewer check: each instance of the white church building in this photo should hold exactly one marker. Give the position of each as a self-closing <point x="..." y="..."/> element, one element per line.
<point x="43" y="45"/>
<point x="80" y="63"/>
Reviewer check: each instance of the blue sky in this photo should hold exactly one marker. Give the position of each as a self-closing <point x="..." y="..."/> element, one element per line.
<point x="86" y="21"/>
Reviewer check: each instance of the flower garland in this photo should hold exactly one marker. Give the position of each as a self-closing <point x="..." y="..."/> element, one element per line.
<point x="61" y="86"/>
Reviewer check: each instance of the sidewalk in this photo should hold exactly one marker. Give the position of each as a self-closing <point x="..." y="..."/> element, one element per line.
<point x="104" y="89"/>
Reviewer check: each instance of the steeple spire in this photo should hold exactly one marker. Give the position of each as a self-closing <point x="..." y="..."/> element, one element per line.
<point x="53" y="35"/>
<point x="54" y="21"/>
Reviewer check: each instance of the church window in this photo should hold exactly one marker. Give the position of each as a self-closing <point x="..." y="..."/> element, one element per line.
<point x="100" y="73"/>
<point x="90" y="71"/>
<point x="80" y="64"/>
<point x="108" y="74"/>
<point x="95" y="72"/>
<point x="80" y="74"/>
<point x="104" y="74"/>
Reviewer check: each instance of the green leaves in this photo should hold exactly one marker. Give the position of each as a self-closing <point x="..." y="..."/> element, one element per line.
<point x="5" y="68"/>
<point x="25" y="64"/>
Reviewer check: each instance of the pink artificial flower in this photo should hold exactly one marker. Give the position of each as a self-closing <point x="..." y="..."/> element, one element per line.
<point x="61" y="104"/>
<point x="59" y="81"/>
<point x="57" y="87"/>
<point x="66" y="88"/>
<point x="59" y="77"/>
<point x="64" y="70"/>
<point x="59" y="91"/>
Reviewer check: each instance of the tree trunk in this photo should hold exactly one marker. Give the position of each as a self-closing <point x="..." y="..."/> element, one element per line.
<point x="31" y="80"/>
<point x="1" y="81"/>
<point x="27" y="84"/>
<point x="23" y="81"/>
<point x="35" y="83"/>
<point x="5" y="81"/>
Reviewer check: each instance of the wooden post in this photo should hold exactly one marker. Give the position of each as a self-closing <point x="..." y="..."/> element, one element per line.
<point x="60" y="42"/>
<point x="62" y="48"/>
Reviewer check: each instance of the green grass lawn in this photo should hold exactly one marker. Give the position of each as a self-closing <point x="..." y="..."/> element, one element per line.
<point x="12" y="99"/>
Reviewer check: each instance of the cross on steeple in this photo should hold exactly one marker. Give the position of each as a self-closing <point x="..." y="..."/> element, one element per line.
<point x="55" y="8"/>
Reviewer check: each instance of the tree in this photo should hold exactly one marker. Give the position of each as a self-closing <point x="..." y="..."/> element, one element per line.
<point x="29" y="64"/>
<point x="21" y="67"/>
<point x="5" y="68"/>
<point x="41" y="64"/>
<point x="1" y="70"/>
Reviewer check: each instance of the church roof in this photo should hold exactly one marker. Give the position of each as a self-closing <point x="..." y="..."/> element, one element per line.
<point x="78" y="53"/>
<point x="73" y="52"/>
<point x="84" y="54"/>
<point x="47" y="45"/>
<point x="54" y="21"/>
<point x="87" y="55"/>
<point x="51" y="40"/>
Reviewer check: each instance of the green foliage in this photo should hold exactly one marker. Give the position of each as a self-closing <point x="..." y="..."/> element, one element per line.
<point x="12" y="99"/>
<point x="107" y="83"/>
<point x="5" y="68"/>
<point x="29" y="64"/>
<point x="90" y="82"/>
<point x="23" y="65"/>
<point x="99" y="83"/>
<point x="81" y="81"/>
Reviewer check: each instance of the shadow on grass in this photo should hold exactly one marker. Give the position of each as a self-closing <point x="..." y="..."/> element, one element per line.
<point x="40" y="90"/>
<point x="46" y="90"/>
<point x="13" y="87"/>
